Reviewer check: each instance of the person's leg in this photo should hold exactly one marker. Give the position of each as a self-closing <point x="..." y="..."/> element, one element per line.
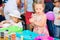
<point x="57" y="34"/>
<point x="50" y="28"/>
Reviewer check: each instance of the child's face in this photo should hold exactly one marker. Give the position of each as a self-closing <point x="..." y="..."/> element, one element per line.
<point x="57" y="4"/>
<point x="15" y="19"/>
<point x="39" y="8"/>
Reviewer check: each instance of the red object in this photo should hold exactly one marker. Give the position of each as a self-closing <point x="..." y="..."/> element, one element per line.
<point x="28" y="16"/>
<point x="0" y="5"/>
<point x="13" y="37"/>
<point x="48" y="1"/>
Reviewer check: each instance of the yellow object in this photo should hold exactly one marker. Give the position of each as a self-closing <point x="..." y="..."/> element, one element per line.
<point x="1" y="38"/>
<point x="6" y="38"/>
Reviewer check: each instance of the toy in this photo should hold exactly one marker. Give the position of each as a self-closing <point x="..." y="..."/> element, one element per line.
<point x="50" y="15"/>
<point x="13" y="37"/>
<point x="11" y="29"/>
<point x="27" y="35"/>
<point x="44" y="38"/>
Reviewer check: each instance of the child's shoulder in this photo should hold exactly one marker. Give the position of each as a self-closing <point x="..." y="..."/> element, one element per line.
<point x="56" y="8"/>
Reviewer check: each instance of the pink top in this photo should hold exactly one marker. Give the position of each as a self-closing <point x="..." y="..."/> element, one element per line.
<point x="38" y="29"/>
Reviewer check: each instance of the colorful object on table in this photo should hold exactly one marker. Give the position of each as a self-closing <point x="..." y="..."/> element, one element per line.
<point x="17" y="38"/>
<point x="27" y="35"/>
<point x="14" y="29"/>
<point x="1" y="35"/>
<point x="43" y="38"/>
<point x="6" y="35"/>
<point x="21" y="38"/>
<point x="3" y="29"/>
<point x="13" y="37"/>
<point x="6" y="38"/>
<point x="1" y="38"/>
<point x="9" y="37"/>
<point x="50" y="15"/>
<point x="11" y="29"/>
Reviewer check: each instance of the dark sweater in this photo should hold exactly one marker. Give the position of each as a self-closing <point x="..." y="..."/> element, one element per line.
<point x="0" y="2"/>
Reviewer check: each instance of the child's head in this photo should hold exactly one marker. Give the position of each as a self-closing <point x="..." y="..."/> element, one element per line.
<point x="56" y="3"/>
<point x="15" y="16"/>
<point x="39" y="8"/>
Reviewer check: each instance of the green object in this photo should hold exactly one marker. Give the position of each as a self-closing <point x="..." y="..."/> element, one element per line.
<point x="3" y="29"/>
<point x="11" y="29"/>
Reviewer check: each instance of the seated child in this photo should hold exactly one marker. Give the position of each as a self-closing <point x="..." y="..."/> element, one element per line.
<point x="38" y="20"/>
<point x="15" y="19"/>
<point x="56" y="11"/>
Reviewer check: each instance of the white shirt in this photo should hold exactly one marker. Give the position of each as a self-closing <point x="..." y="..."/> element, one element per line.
<point x="11" y="5"/>
<point x="56" y="14"/>
<point x="29" y="5"/>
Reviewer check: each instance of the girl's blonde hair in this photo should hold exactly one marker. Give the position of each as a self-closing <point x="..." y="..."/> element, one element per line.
<point x="36" y="2"/>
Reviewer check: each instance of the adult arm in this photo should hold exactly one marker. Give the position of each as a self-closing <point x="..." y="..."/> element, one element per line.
<point x="25" y="5"/>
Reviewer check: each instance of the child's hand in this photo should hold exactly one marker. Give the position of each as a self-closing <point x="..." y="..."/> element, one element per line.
<point x="3" y="22"/>
<point x="31" y="20"/>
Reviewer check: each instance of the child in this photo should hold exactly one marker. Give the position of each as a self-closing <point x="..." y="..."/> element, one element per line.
<point x="56" y="11"/>
<point x="28" y="11"/>
<point x="15" y="19"/>
<point x="38" y="20"/>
